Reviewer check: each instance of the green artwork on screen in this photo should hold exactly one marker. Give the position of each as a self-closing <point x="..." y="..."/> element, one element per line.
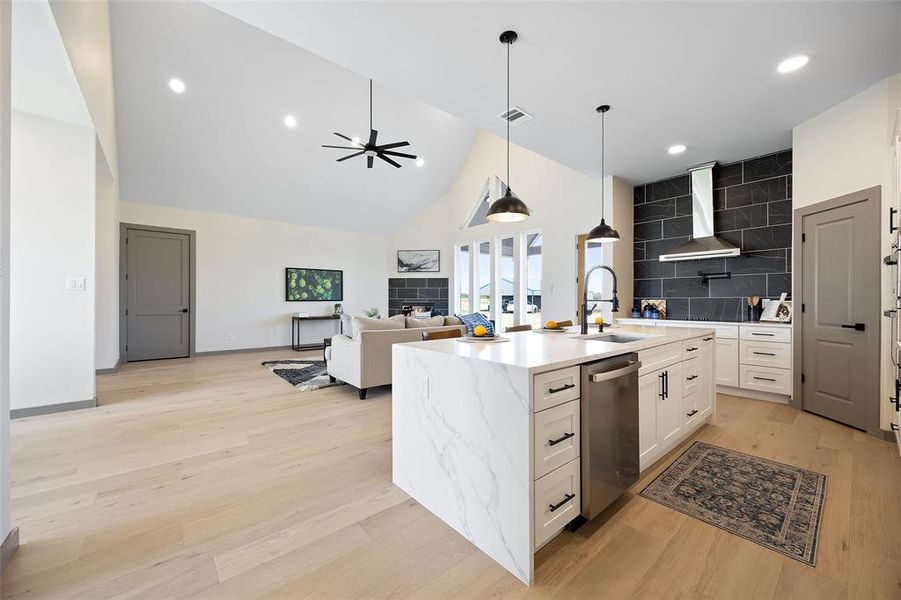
<point x="313" y="285"/>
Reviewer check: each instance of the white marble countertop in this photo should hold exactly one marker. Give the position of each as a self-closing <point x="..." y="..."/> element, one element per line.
<point x="634" y="320"/>
<point x="538" y="352"/>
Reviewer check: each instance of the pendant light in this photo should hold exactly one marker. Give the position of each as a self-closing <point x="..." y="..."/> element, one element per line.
<point x="509" y="208"/>
<point x="603" y="232"/>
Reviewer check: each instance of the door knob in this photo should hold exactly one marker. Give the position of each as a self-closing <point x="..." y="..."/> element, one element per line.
<point x="184" y="310"/>
<point x="855" y="326"/>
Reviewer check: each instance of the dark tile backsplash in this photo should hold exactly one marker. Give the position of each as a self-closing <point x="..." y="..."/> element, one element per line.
<point x="417" y="290"/>
<point x="752" y="209"/>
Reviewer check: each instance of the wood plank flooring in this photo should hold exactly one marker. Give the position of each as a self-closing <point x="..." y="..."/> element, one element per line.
<point x="213" y="478"/>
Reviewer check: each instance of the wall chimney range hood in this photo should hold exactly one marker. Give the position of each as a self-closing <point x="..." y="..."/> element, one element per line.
<point x="703" y="243"/>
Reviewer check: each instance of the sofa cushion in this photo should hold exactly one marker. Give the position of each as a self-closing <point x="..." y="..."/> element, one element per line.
<point x="474" y="320"/>
<point x="418" y="322"/>
<point x="366" y="324"/>
<point x="452" y="321"/>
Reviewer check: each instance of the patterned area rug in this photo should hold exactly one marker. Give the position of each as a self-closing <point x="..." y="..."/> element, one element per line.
<point x="305" y="375"/>
<point x="770" y="503"/>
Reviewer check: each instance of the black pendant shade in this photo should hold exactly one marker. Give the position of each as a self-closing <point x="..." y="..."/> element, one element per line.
<point x="508" y="209"/>
<point x="603" y="232"/>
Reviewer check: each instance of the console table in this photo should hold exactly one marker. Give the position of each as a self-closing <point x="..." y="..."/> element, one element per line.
<point x="303" y="340"/>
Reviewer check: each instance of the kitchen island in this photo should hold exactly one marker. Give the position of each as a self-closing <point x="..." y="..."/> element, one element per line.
<point x="487" y="436"/>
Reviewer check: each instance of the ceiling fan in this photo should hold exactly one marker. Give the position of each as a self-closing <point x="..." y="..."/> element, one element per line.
<point x="371" y="149"/>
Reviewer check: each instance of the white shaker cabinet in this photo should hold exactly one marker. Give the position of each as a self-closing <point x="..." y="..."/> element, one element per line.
<point x="726" y="362"/>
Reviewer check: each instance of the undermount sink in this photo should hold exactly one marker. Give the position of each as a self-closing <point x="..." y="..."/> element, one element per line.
<point x="618" y="338"/>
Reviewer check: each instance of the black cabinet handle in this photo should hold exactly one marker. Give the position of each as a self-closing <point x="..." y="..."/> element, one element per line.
<point x="565" y="437"/>
<point x="184" y="310"/>
<point x="690" y="377"/>
<point x="891" y="219"/>
<point x="765" y="353"/>
<point x="690" y="349"/>
<point x="692" y="413"/>
<point x="566" y="498"/>
<point x="764" y="378"/>
<point x="662" y="393"/>
<point x="855" y="326"/>
<point x="763" y="334"/>
<point x="568" y="386"/>
<point x="896" y="401"/>
<point x="894" y="426"/>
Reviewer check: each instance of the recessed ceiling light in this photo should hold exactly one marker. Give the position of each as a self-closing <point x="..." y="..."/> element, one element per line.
<point x="177" y="85"/>
<point x="420" y="161"/>
<point x="676" y="149"/>
<point x="290" y="121"/>
<point x="793" y="64"/>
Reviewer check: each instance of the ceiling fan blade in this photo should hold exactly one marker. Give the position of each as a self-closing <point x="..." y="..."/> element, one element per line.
<point x="388" y="160"/>
<point x="344" y="137"/>
<point x="394" y="145"/>
<point x="400" y="154"/>
<point x="369" y="162"/>
<point x="350" y="155"/>
<point x="342" y="147"/>
<point x="373" y="134"/>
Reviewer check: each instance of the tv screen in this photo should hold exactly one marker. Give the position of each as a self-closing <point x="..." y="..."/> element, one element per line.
<point x="313" y="285"/>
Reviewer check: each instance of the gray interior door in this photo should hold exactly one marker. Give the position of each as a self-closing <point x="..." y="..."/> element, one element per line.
<point x="158" y="281"/>
<point x="840" y="272"/>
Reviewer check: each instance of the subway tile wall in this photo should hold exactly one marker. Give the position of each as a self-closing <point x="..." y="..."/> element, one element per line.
<point x="752" y="209"/>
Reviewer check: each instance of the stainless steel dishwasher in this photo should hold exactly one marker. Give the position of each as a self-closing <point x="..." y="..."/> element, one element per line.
<point x="609" y="431"/>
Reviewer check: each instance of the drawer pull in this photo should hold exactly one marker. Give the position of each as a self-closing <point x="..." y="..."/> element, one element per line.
<point x="708" y="339"/>
<point x="894" y="426"/>
<point x="568" y="386"/>
<point x="764" y="378"/>
<point x="566" y="498"/>
<point x="692" y="349"/>
<point x="565" y="437"/>
<point x="763" y="334"/>
<point x="692" y="413"/>
<point x="765" y="353"/>
<point x="690" y="377"/>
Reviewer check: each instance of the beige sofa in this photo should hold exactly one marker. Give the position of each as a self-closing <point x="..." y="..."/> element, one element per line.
<point x="363" y="358"/>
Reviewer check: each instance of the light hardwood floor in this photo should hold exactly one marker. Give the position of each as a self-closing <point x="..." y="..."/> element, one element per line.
<point x="213" y="478"/>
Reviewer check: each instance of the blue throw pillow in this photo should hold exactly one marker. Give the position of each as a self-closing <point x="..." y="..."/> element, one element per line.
<point x="475" y="319"/>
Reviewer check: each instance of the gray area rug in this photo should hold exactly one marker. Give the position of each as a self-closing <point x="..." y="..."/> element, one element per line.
<point x="770" y="503"/>
<point x="305" y="375"/>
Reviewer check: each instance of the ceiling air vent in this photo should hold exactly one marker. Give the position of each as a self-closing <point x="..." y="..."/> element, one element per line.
<point x="515" y="115"/>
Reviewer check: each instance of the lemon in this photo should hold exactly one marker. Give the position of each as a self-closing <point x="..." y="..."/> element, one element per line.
<point x="599" y="321"/>
<point x="551" y="325"/>
<point x="479" y="330"/>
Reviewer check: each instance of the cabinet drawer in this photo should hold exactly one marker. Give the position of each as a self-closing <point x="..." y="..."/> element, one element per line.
<point x="691" y="348"/>
<point x="691" y="375"/>
<point x="660" y="357"/>
<point x="766" y="379"/>
<point x="766" y="334"/>
<point x="556" y="387"/>
<point x="691" y="409"/>
<point x="558" y="498"/>
<point x="557" y="437"/>
<point x="772" y="354"/>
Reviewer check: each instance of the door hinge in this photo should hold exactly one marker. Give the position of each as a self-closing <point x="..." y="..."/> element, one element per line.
<point x="802" y="307"/>
<point x="126" y="277"/>
<point x="803" y="237"/>
<point x="802" y="377"/>
<point x="126" y="347"/>
<point x="126" y="312"/>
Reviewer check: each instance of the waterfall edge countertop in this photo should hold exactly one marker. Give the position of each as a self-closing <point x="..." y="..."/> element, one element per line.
<point x="546" y="351"/>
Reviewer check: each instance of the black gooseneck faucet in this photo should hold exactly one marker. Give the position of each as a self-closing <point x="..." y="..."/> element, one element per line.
<point x="614" y="301"/>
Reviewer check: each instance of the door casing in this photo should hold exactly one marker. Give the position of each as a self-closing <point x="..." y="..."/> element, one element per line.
<point x="123" y="290"/>
<point x="873" y="200"/>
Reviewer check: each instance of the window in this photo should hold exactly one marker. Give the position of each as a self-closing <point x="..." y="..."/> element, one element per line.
<point x="492" y="189"/>
<point x="533" y="279"/>
<point x="463" y="279"/>
<point x="485" y="278"/>
<point x="506" y="283"/>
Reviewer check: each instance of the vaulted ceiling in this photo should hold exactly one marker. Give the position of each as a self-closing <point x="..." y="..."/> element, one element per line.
<point x="698" y="73"/>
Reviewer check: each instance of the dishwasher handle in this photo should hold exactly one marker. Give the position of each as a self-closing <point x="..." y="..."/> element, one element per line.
<point x="633" y="366"/>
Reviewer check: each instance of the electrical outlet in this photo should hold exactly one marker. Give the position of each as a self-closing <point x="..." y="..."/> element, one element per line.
<point x="76" y="284"/>
<point x="230" y="336"/>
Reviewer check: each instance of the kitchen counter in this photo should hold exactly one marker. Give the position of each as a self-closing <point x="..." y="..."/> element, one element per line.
<point x="536" y="352"/>
<point x="466" y="419"/>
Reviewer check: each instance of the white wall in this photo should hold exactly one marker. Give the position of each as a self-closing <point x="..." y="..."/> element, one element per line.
<point x="5" y="62"/>
<point x="564" y="204"/>
<point x="106" y="351"/>
<point x="241" y="272"/>
<point x="846" y="149"/>
<point x="52" y="207"/>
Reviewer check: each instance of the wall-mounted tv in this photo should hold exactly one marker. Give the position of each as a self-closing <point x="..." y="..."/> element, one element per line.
<point x="313" y="285"/>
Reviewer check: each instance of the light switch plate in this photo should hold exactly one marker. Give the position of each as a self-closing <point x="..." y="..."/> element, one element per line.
<point x="75" y="284"/>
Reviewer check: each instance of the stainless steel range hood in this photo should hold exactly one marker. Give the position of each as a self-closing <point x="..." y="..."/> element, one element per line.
<point x="703" y="243"/>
